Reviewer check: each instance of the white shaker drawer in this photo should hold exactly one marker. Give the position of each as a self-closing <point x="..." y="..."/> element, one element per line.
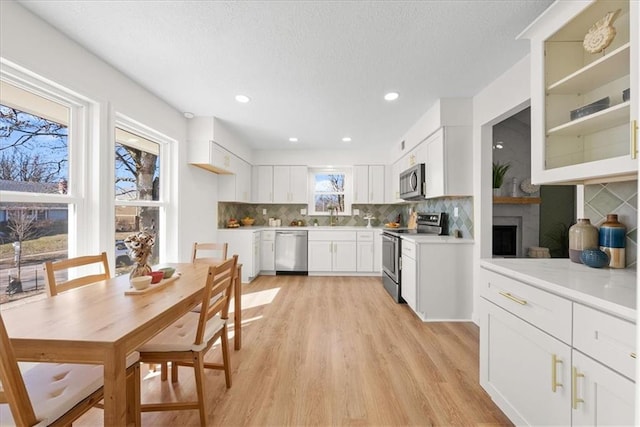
<point x="606" y="338"/>
<point x="409" y="249"/>
<point x="547" y="311"/>
<point x="365" y="236"/>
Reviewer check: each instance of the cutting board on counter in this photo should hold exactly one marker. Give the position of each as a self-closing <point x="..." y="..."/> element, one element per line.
<point x="413" y="221"/>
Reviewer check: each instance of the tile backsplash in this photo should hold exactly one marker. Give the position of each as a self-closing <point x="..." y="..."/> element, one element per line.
<point x="619" y="198"/>
<point x="381" y="213"/>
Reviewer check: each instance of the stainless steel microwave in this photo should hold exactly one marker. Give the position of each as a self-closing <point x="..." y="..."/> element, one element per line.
<point x="412" y="183"/>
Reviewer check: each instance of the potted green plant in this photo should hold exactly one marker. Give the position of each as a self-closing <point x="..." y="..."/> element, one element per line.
<point x="499" y="171"/>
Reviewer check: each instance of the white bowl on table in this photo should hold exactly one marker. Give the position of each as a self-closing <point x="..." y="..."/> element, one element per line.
<point x="141" y="282"/>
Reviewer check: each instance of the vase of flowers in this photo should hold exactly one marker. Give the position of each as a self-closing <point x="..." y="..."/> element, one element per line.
<point x="499" y="171"/>
<point x="140" y="246"/>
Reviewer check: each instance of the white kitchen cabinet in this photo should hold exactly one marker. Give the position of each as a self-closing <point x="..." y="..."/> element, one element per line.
<point x="393" y="184"/>
<point x="235" y="187"/>
<point x="600" y="395"/>
<point x="409" y="275"/>
<point x="524" y="370"/>
<point x="208" y="155"/>
<point x="290" y="184"/>
<point x="320" y="256"/>
<point x="267" y="250"/>
<point x="262" y="186"/>
<point x="531" y="340"/>
<point x="437" y="278"/>
<point x="449" y="162"/>
<point x="332" y="251"/>
<point x="377" y="251"/>
<point x="242" y="242"/>
<point x="564" y="77"/>
<point x="366" y="253"/>
<point x="368" y="184"/>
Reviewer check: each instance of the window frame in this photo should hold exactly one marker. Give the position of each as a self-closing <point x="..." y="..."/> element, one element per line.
<point x="348" y="188"/>
<point x="79" y="131"/>
<point x="166" y="145"/>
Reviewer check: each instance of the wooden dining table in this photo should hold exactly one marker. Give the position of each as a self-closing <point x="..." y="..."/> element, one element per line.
<point x="99" y="324"/>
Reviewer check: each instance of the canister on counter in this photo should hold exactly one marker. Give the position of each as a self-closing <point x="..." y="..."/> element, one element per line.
<point x="612" y="239"/>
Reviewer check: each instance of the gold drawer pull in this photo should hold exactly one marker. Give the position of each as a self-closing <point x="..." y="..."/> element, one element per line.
<point x="512" y="298"/>
<point x="633" y="355"/>
<point x="554" y="372"/>
<point x="574" y="387"/>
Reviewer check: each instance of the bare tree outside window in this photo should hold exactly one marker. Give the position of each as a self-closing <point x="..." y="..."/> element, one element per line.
<point x="329" y="192"/>
<point x="137" y="178"/>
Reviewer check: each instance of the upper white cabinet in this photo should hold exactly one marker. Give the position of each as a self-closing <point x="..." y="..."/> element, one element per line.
<point x="449" y="162"/>
<point x="601" y="144"/>
<point x="235" y="187"/>
<point x="368" y="184"/>
<point x="290" y="184"/>
<point x="210" y="156"/>
<point x="262" y="188"/>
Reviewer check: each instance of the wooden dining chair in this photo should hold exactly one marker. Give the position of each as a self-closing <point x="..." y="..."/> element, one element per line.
<point x="209" y="252"/>
<point x="51" y="394"/>
<point x="54" y="288"/>
<point x="187" y="340"/>
<point x="51" y="267"/>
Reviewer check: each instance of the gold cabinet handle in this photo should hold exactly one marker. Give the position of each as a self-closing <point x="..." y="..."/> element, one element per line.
<point x="554" y="372"/>
<point x="574" y="387"/>
<point x="512" y="298"/>
<point x="633" y="354"/>
<point x="634" y="139"/>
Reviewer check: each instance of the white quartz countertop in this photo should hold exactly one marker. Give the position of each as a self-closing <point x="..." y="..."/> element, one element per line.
<point x="308" y="228"/>
<point x="610" y="290"/>
<point x="434" y="239"/>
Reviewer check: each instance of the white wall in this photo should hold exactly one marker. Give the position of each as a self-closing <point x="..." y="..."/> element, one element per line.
<point x="503" y="97"/>
<point x="29" y="42"/>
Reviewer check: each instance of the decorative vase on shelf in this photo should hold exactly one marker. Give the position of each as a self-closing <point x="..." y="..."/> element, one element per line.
<point x="496" y="192"/>
<point x="612" y="238"/>
<point x="582" y="235"/>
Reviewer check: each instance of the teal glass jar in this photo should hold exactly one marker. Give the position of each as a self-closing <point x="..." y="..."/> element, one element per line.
<point x="612" y="240"/>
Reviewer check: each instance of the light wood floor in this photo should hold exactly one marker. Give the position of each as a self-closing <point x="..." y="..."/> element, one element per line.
<point x="335" y="351"/>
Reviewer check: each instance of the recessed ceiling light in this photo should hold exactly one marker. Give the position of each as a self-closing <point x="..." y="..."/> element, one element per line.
<point x="188" y="115"/>
<point x="293" y="139"/>
<point x="243" y="98"/>
<point x="391" y="96"/>
<point x="346" y="139"/>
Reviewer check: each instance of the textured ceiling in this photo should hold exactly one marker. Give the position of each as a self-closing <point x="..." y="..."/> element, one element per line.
<point x="316" y="70"/>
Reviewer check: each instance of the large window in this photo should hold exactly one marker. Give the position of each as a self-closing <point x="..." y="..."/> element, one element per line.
<point x="139" y="204"/>
<point x="36" y="186"/>
<point x="329" y="191"/>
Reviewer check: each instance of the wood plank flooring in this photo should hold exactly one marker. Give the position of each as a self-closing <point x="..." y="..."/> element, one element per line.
<point x="335" y="351"/>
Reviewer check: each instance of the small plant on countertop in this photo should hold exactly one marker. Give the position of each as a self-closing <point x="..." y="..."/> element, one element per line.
<point x="499" y="171"/>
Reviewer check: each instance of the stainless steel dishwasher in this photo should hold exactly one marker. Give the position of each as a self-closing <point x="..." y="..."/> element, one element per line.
<point x="291" y="252"/>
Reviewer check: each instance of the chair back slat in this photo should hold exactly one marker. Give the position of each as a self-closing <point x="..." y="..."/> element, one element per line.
<point x="51" y="267"/>
<point x="14" y="390"/>
<point x="220" y="250"/>
<point x="219" y="282"/>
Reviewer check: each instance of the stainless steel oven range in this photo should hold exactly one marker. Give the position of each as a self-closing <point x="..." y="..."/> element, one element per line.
<point x="427" y="223"/>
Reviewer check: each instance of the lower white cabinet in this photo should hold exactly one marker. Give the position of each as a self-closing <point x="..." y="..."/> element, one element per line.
<point x="244" y="244"/>
<point x="267" y="250"/>
<point x="366" y="252"/>
<point x="548" y="360"/>
<point x="526" y="371"/>
<point x="601" y="396"/>
<point x="409" y="272"/>
<point x="332" y="251"/>
<point x="436" y="278"/>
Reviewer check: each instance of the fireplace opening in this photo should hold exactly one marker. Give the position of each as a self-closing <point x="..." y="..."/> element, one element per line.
<point x="505" y="240"/>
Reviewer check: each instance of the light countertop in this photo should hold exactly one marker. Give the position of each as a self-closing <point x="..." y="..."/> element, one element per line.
<point x="434" y="239"/>
<point x="608" y="289"/>
<point x="308" y="228"/>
